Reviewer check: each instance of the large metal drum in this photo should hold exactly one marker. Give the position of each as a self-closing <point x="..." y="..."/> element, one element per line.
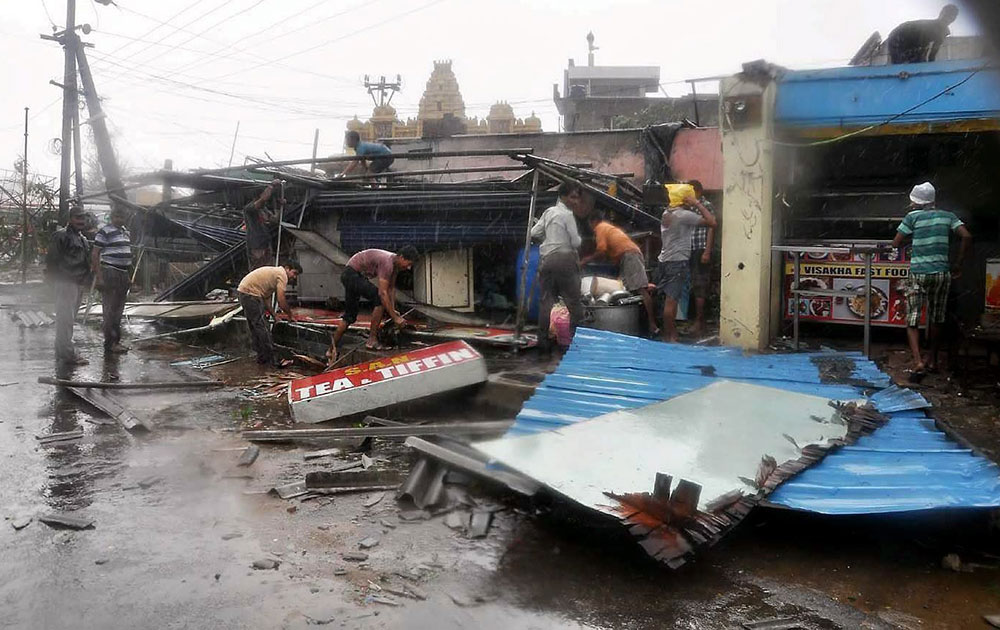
<point x="622" y="319"/>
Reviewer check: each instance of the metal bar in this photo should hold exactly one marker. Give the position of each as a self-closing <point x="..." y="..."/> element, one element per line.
<point x="868" y="303"/>
<point x="24" y="203"/>
<point x="312" y="167"/>
<point x="464" y="428"/>
<point x="440" y="171"/>
<point x="526" y="256"/>
<point x="232" y="151"/>
<point x="48" y="380"/>
<point x="798" y="302"/>
<point x="412" y="155"/>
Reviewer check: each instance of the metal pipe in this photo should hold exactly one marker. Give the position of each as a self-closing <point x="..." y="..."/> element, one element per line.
<point x="526" y="256"/>
<point x="868" y="303"/>
<point x="24" y="203"/>
<point x="797" y="301"/>
<point x="439" y="171"/>
<point x="412" y="155"/>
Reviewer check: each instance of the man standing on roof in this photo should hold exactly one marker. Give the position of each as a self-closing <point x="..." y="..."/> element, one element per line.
<point x="254" y="294"/>
<point x="383" y="267"/>
<point x="930" y="274"/>
<point x="919" y="40"/>
<point x="702" y="243"/>
<point x="377" y="156"/>
<point x="559" y="263"/>
<point x="111" y="260"/>
<point x="67" y="270"/>
<point x="675" y="266"/>
<point x="259" y="220"/>
<point x="613" y="244"/>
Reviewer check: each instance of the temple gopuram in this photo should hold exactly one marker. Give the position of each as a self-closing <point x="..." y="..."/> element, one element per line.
<point x="442" y="113"/>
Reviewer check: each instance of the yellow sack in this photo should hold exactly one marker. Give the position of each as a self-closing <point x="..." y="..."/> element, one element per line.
<point x="678" y="193"/>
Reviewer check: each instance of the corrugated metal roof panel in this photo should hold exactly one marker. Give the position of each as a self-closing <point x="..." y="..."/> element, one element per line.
<point x="907" y="465"/>
<point x="864" y="95"/>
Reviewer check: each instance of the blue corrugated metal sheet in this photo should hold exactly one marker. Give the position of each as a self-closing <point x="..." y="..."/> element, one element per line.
<point x="907" y="465"/>
<point x="864" y="95"/>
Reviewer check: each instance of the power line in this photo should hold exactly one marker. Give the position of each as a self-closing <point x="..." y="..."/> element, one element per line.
<point x="159" y="23"/>
<point x="331" y="41"/>
<point x="189" y="23"/>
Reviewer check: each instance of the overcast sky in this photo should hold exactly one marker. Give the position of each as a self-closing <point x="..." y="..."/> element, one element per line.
<point x="177" y="75"/>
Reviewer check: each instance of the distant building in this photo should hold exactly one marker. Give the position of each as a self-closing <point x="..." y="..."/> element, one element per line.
<point x="442" y="113"/>
<point x="597" y="97"/>
<point x="593" y="95"/>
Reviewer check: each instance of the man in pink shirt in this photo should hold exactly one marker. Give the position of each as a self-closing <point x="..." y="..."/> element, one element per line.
<point x="381" y="266"/>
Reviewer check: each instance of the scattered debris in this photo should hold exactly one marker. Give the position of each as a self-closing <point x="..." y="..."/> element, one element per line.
<point x="366" y="462"/>
<point x="67" y="521"/>
<point x="382" y="599"/>
<point x="371" y="541"/>
<point x="775" y="623"/>
<point x="47" y="380"/>
<point x="148" y="482"/>
<point x="231" y="536"/>
<point x="327" y="452"/>
<point x="290" y="490"/>
<point x="249" y="456"/>
<point x="355" y="556"/>
<point x="374" y="499"/>
<point x="65" y="436"/>
<point x="398" y="432"/>
<point x="479" y="523"/>
<point x="952" y="561"/>
<point x="993" y="620"/>
<point x="201" y="363"/>
<point x="266" y="564"/>
<point x="456" y="520"/>
<point x="109" y="405"/>
<point x="387" y="524"/>
<point x="378" y="383"/>
<point x="101" y="561"/>
<point x="358" y="480"/>
<point x="414" y="515"/>
<point x="20" y="522"/>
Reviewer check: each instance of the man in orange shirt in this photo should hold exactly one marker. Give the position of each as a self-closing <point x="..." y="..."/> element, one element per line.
<point x="615" y="245"/>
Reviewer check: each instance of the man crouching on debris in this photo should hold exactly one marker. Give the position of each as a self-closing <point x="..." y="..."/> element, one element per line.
<point x="255" y="293"/>
<point x="67" y="269"/>
<point x="383" y="266"/>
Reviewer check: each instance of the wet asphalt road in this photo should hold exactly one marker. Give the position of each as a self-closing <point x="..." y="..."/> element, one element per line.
<point x="175" y="552"/>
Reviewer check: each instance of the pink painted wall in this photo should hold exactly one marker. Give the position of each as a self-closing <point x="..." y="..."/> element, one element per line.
<point x="697" y="154"/>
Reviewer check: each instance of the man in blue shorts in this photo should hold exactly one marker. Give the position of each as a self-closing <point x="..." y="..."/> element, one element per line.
<point x="930" y="275"/>
<point x="378" y="157"/>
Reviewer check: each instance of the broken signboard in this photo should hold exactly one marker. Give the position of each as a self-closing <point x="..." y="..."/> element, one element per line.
<point x="373" y="384"/>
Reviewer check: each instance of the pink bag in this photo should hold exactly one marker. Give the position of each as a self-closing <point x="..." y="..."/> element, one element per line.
<point x="559" y="325"/>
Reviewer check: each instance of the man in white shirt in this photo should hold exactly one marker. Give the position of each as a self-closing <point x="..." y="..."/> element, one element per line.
<point x="675" y="267"/>
<point x="559" y="265"/>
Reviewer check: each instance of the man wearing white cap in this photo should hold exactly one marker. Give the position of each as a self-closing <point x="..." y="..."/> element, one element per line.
<point x="930" y="275"/>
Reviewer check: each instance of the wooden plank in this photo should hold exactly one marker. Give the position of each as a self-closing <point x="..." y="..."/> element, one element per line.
<point x="108" y="405"/>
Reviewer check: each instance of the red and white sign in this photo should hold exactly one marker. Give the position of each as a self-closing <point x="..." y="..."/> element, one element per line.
<point x="382" y="382"/>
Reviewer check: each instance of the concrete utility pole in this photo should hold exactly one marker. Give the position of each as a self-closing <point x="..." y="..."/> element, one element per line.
<point x="105" y="151"/>
<point x="24" y="203"/>
<point x="70" y="106"/>
<point x="77" y="152"/>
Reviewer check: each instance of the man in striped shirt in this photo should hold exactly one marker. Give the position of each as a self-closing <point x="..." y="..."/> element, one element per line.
<point x="930" y="274"/>
<point x="111" y="260"/>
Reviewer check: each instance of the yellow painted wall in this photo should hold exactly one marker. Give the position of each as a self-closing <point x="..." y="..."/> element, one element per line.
<point x="747" y="314"/>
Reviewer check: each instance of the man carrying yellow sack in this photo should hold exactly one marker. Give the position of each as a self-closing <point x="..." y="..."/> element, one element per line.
<point x="613" y="244"/>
